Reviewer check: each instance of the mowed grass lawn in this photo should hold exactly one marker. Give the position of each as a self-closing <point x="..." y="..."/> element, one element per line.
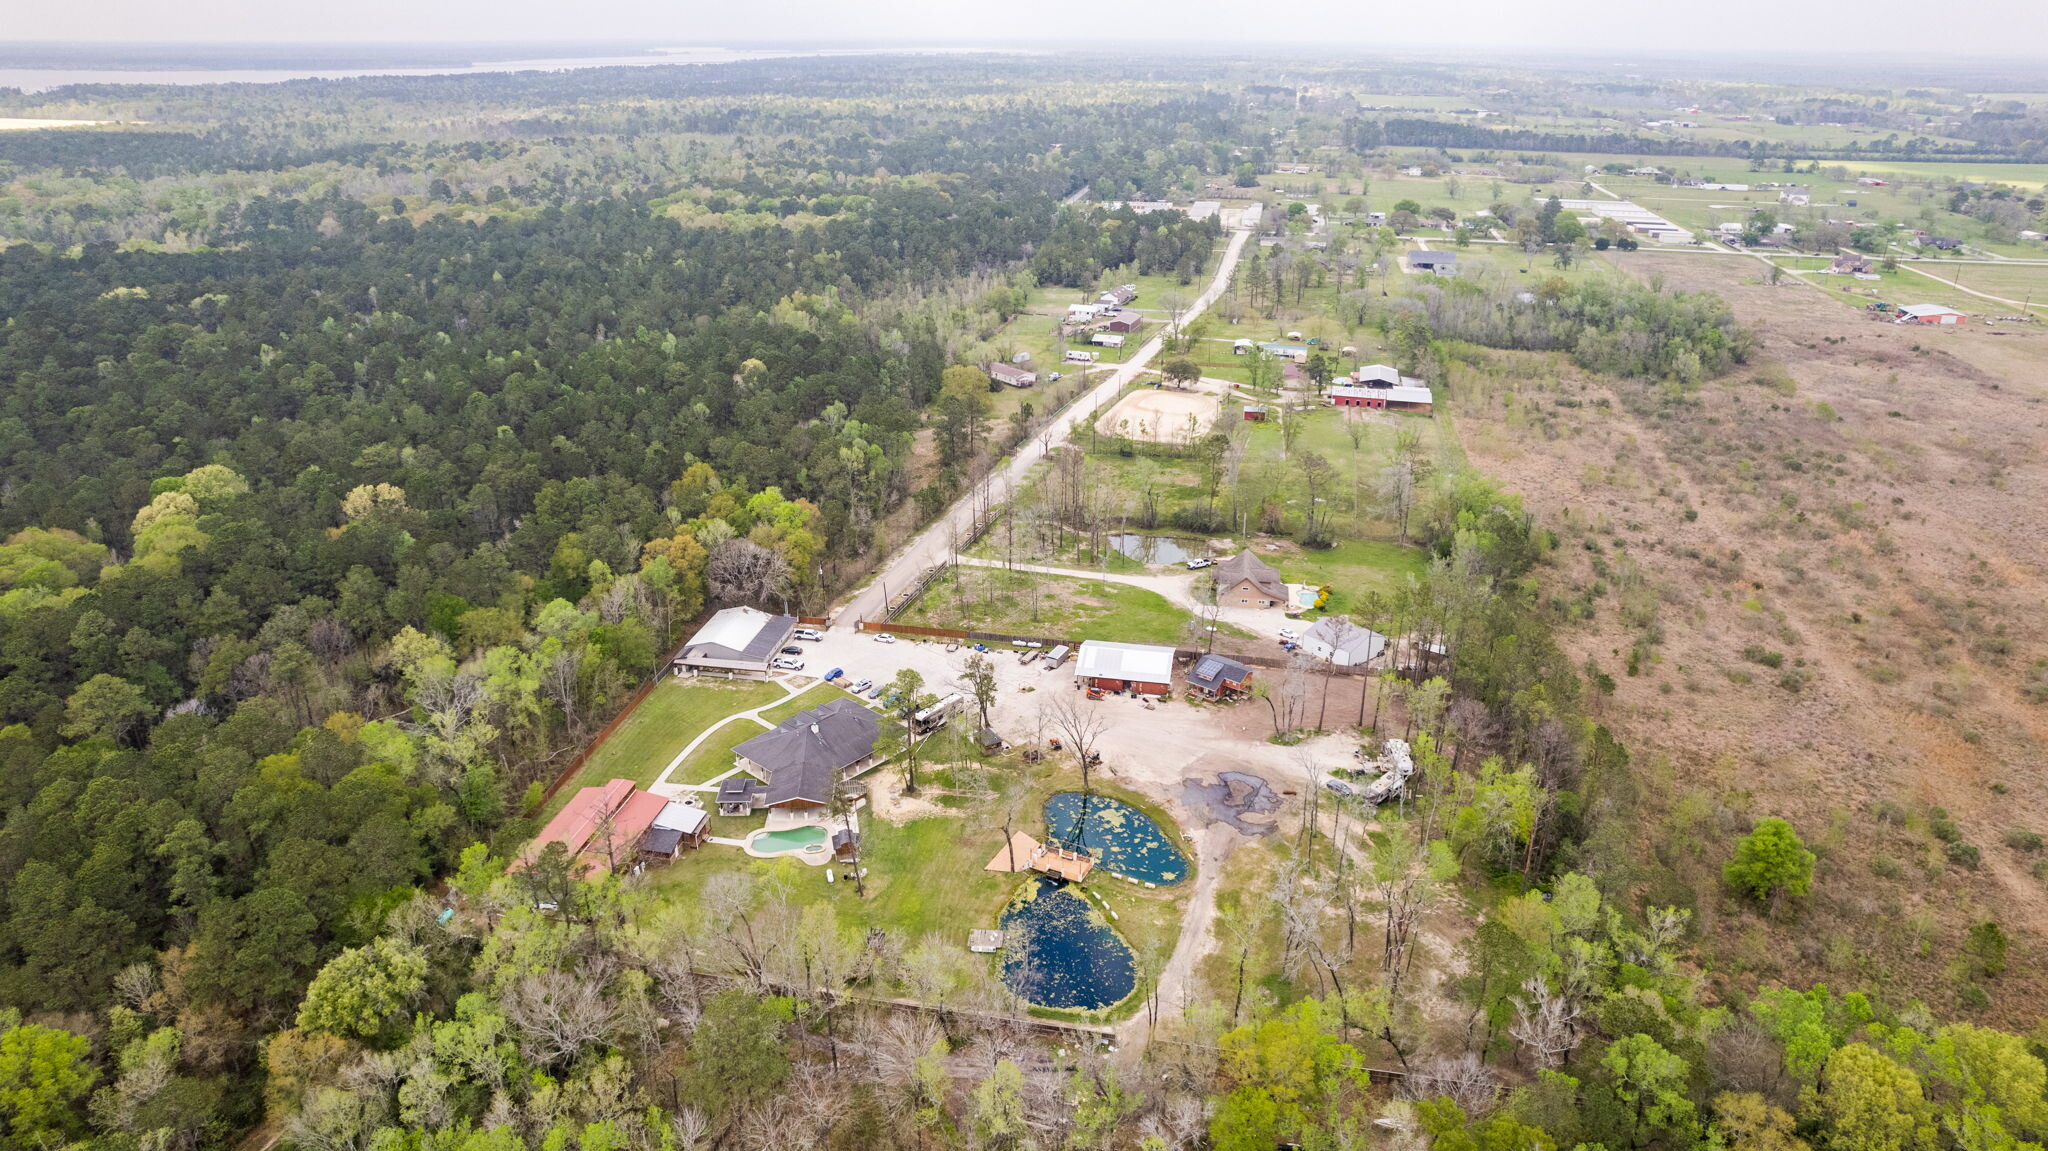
<point x="664" y="723"/>
<point x="714" y="757"/>
<point x="817" y="695"/>
<point x="1352" y="569"/>
<point x="1027" y="603"/>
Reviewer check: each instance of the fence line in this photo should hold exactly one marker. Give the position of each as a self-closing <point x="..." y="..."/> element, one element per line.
<point x="661" y="672"/>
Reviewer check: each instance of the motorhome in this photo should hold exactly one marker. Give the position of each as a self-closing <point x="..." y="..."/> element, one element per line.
<point x="935" y="716"/>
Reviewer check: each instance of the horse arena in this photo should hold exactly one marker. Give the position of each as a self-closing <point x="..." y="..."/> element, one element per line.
<point x="1160" y="416"/>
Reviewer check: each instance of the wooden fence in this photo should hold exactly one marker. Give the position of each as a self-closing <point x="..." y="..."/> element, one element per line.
<point x="661" y="672"/>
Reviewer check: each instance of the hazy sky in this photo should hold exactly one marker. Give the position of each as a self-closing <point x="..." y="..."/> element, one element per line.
<point x="2004" y="28"/>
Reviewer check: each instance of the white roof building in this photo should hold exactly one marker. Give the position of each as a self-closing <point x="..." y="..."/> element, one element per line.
<point x="738" y="638"/>
<point x="1930" y="314"/>
<point x="1137" y="662"/>
<point x="682" y="817"/>
<point x="1344" y="644"/>
<point x="1385" y="374"/>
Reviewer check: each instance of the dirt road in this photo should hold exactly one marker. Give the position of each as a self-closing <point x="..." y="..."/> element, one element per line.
<point x="1177" y="588"/>
<point x="934" y="544"/>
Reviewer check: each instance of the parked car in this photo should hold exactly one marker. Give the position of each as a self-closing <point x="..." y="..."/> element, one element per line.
<point x="808" y="634"/>
<point x="835" y="673"/>
<point x="1198" y="564"/>
<point x="784" y="663"/>
<point x="1289" y="633"/>
<point x="861" y="686"/>
<point x="875" y="692"/>
<point x="1338" y="787"/>
<point x="884" y="637"/>
<point x="792" y="649"/>
<point x="1289" y="645"/>
<point x="1056" y="377"/>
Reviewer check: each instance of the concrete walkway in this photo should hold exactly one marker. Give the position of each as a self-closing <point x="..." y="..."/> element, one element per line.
<point x="791" y="688"/>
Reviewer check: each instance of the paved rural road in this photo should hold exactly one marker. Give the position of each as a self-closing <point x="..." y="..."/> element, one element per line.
<point x="934" y="545"/>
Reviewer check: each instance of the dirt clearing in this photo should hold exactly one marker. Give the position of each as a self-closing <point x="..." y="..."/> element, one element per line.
<point x="1161" y="416"/>
<point x="1815" y="585"/>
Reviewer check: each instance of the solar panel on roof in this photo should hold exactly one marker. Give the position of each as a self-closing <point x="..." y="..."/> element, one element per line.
<point x="1208" y="668"/>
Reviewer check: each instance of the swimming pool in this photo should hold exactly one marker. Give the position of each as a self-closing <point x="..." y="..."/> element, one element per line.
<point x="1061" y="952"/>
<point x="803" y="839"/>
<point x="1121" y="838"/>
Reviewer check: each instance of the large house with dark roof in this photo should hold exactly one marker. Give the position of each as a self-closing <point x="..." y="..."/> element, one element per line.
<point x="1245" y="580"/>
<point x="802" y="760"/>
<point x="736" y="639"/>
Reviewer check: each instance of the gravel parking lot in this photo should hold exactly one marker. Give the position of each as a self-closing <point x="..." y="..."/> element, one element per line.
<point x="861" y="656"/>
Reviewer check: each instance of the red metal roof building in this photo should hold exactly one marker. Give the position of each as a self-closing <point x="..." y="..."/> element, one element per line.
<point x="599" y="825"/>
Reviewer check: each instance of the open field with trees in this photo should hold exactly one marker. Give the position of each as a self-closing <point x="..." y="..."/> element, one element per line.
<point x="364" y="444"/>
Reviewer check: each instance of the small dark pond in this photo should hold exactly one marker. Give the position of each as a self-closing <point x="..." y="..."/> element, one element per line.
<point x="1122" y="839"/>
<point x="1157" y="549"/>
<point x="1061" y="951"/>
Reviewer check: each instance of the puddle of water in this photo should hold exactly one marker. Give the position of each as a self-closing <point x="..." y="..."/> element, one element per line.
<point x="1233" y="796"/>
<point x="1120" y="837"/>
<point x="1061" y="952"/>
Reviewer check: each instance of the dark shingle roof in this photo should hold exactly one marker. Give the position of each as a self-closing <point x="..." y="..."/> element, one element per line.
<point x="804" y="756"/>
<point x="1246" y="566"/>
<point x="1213" y="671"/>
<point x="661" y="840"/>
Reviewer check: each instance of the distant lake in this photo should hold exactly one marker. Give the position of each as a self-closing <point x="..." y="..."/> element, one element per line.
<point x="44" y="79"/>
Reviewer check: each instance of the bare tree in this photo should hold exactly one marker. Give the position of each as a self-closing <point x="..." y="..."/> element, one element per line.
<point x="1544" y="1024"/>
<point x="1407" y="881"/>
<point x="1339" y="632"/>
<point x="1397" y="493"/>
<point x="1473" y="725"/>
<point x="979" y="680"/>
<point x="558" y="1015"/>
<point x="1082" y="726"/>
<point x="744" y="571"/>
<point x="692" y="1129"/>
<point x="561" y="668"/>
<point x="1470" y="1083"/>
<point x="840" y="807"/>
<point x="1318" y="476"/>
<point x="1287" y="696"/>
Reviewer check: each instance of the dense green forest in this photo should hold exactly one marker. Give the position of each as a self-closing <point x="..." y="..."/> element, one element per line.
<point x="363" y="444"/>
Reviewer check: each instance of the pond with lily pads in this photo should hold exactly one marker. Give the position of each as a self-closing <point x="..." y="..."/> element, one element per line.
<point x="1123" y="840"/>
<point x="1061" y="952"/>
